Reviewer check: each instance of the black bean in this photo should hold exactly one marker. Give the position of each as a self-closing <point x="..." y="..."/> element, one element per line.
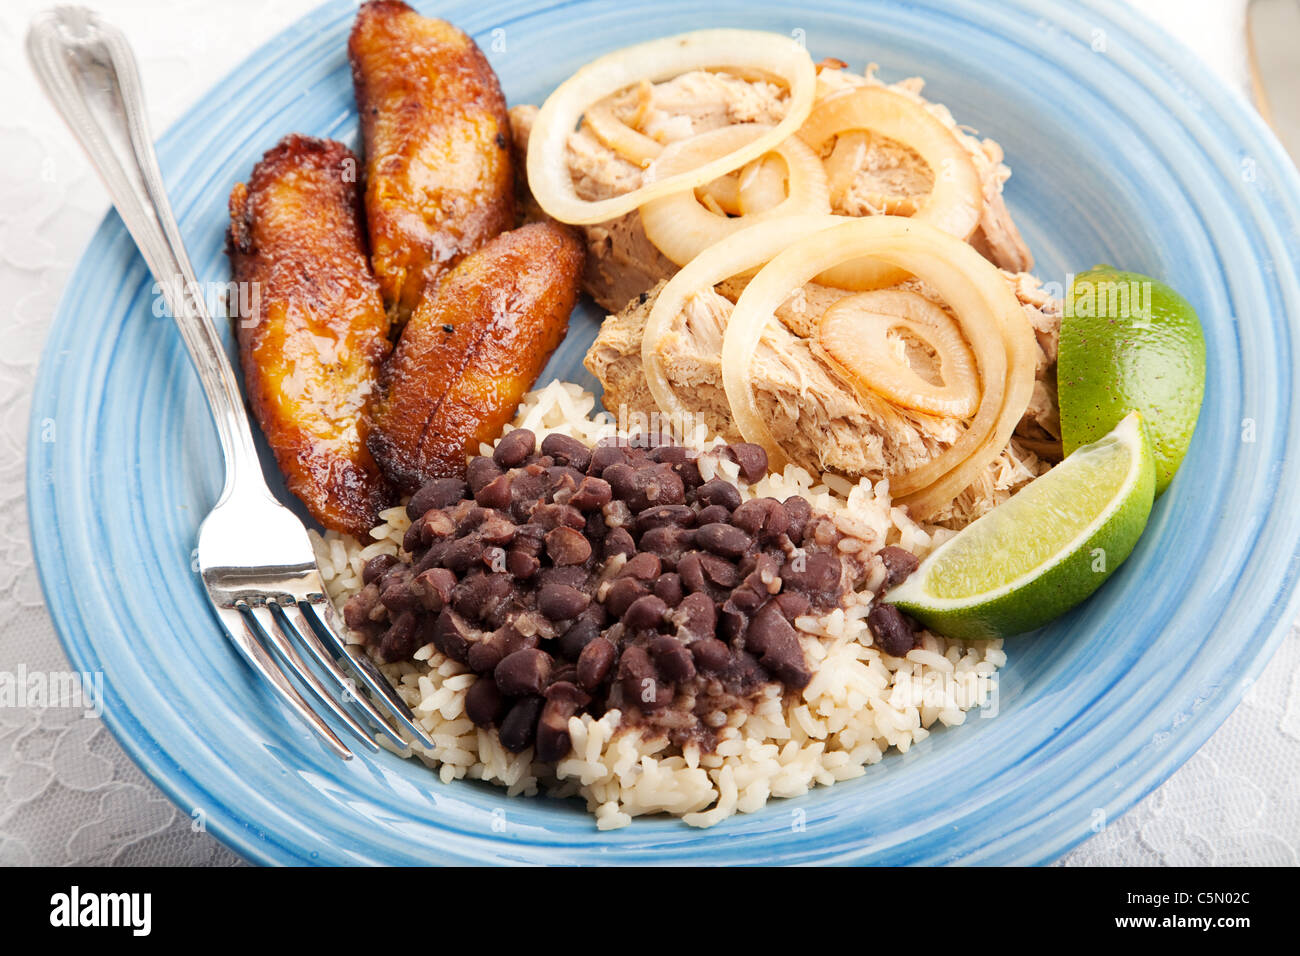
<point x="567" y="451"/>
<point x="485" y="655"/>
<point x="696" y="617"/>
<point x="662" y="516"/>
<point x="645" y="613"/>
<point x="731" y="623"/>
<point x="434" y="587"/>
<point x="797" y="513"/>
<point x="793" y="604"/>
<point x="413" y="538"/>
<point x="751" y="458"/>
<point x="672" y="454"/>
<point x="898" y="562"/>
<point x="618" y="541"/>
<point x="711" y="513"/>
<point x="520" y="724"/>
<point x="582" y="632"/>
<point x="399" y="641"/>
<point x="574" y="577"/>
<point x="484" y="704"/>
<point x="480" y="470"/>
<point x="563" y="481"/>
<point x="622" y="594"/>
<point x="529" y="539"/>
<point x="397" y="594"/>
<point x="667" y="543"/>
<point x="560" y="602"/>
<point x="376" y="567"/>
<point x="565" y="546"/>
<point x="604" y="455"/>
<point x="478" y="595"/>
<point x="893" y="631"/>
<point x="621" y="477"/>
<point x="723" y="539"/>
<point x="452" y="636"/>
<point x="640" y="683"/>
<point x="643" y="566"/>
<point x="521" y="564"/>
<point x="764" y="518"/>
<point x="672" y="659"/>
<point x="524" y="672"/>
<point x="592" y="494"/>
<point x="689" y="472"/>
<point x="550" y="516"/>
<point x="594" y="663"/>
<point x="771" y="635"/>
<point x="711" y="655"/>
<point x="514" y="448"/>
<point x="497" y="529"/>
<point x="669" y="588"/>
<point x="691" y="570"/>
<point x="562" y="701"/>
<point x="816" y="573"/>
<point x="656" y="485"/>
<point x="496" y="493"/>
<point x="525" y="492"/>
<point x="359" y="608"/>
<point x="719" y="491"/>
<point x="463" y="554"/>
<point x="438" y="493"/>
<point x="719" y="570"/>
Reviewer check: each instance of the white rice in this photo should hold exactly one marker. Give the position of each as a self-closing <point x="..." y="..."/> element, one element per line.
<point x="860" y="702"/>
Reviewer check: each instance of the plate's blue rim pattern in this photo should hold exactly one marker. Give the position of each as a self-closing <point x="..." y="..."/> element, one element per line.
<point x="1193" y="99"/>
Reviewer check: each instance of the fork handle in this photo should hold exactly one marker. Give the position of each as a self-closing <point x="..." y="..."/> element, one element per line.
<point x="88" y="70"/>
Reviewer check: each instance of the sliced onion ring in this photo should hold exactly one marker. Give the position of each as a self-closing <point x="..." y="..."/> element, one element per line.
<point x="995" y="326"/>
<point x="657" y="60"/>
<point x="956" y="199"/>
<point x="613" y="133"/>
<point x="681" y="228"/>
<point x="740" y="253"/>
<point x="854" y="335"/>
<point x="764" y="184"/>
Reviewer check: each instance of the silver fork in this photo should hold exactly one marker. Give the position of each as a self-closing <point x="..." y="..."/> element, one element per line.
<point x="255" y="557"/>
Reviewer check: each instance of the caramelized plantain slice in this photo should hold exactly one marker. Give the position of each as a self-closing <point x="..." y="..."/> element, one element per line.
<point x="312" y="348"/>
<point x="439" y="175"/>
<point x="473" y="347"/>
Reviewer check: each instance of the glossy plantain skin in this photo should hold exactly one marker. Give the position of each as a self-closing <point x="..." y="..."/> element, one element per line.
<point x="473" y="347"/>
<point x="439" y="174"/>
<point x="311" y="352"/>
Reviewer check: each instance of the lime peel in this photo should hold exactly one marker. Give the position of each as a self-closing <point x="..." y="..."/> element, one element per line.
<point x="950" y="592"/>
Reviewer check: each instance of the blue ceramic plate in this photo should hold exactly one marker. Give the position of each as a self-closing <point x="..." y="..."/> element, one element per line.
<point x="1124" y="151"/>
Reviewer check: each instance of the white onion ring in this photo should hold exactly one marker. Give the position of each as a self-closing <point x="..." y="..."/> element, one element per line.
<point x="681" y="228"/>
<point x="854" y="335"/>
<point x="956" y="200"/>
<point x="764" y="184"/>
<point x="733" y="256"/>
<point x="613" y="133"/>
<point x="973" y="288"/>
<point x="657" y="60"/>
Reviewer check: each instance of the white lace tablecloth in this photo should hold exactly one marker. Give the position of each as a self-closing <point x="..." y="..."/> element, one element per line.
<point x="68" y="794"/>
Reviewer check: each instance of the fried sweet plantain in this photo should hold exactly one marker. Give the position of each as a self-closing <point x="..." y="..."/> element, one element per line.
<point x="472" y="348"/>
<point x="312" y="350"/>
<point x="439" y="174"/>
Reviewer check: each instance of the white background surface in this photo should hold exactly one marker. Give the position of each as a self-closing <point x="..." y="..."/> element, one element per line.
<point x="68" y="794"/>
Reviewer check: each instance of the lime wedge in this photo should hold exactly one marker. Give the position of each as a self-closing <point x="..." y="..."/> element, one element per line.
<point x="1045" y="549"/>
<point x="1130" y="343"/>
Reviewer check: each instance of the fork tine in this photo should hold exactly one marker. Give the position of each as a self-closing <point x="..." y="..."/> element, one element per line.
<point x="277" y="629"/>
<point x="322" y="614"/>
<point x="304" y="627"/>
<point x="238" y="628"/>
